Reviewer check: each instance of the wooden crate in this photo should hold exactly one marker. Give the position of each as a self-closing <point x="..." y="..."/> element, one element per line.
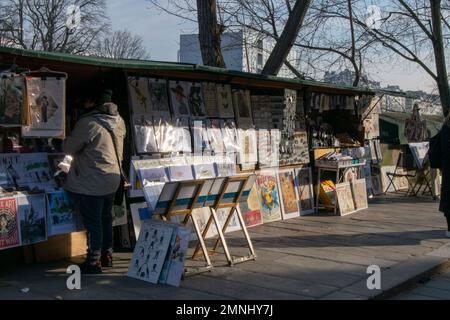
<point x="61" y="247"/>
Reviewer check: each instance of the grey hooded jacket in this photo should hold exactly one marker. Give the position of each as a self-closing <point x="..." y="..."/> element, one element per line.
<point x="94" y="169"/>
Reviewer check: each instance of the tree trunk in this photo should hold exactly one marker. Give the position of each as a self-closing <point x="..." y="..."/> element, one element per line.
<point x="209" y="33"/>
<point x="439" y="56"/>
<point x="287" y="38"/>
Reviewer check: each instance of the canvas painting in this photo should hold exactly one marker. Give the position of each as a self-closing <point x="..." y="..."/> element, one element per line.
<point x="9" y="224"/>
<point x="360" y="194"/>
<point x="60" y="213"/>
<point x="11" y="99"/>
<point x="345" y="198"/>
<point x="138" y="90"/>
<point x="159" y="100"/>
<point x="144" y="134"/>
<point x="225" y="101"/>
<point x="304" y="184"/>
<point x="32" y="213"/>
<point x="210" y="97"/>
<point x="251" y="208"/>
<point x="242" y="107"/>
<point x="195" y="100"/>
<point x="47" y="105"/>
<point x="174" y="265"/>
<point x="288" y="194"/>
<point x="150" y="251"/>
<point x="269" y="196"/>
<point x="179" y="98"/>
<point x="139" y="213"/>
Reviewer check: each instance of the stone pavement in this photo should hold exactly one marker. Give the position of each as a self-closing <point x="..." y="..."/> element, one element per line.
<point x="312" y="257"/>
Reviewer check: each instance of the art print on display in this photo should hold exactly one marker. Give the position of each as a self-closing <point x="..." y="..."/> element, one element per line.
<point x="288" y="194"/>
<point x="179" y="98"/>
<point x="138" y="89"/>
<point x="200" y="137"/>
<point x="215" y="137"/>
<point x="377" y="188"/>
<point x="150" y="251"/>
<point x="46" y="102"/>
<point x="360" y="194"/>
<point x="210" y="97"/>
<point x="300" y="149"/>
<point x="419" y="151"/>
<point x="204" y="170"/>
<point x="305" y="191"/>
<point x="371" y="126"/>
<point x="32" y="213"/>
<point x="196" y="101"/>
<point x="183" y="134"/>
<point x="11" y="99"/>
<point x="229" y="134"/>
<point x="345" y="198"/>
<point x="264" y="148"/>
<point x="61" y="214"/>
<point x="9" y="224"/>
<point x="166" y="136"/>
<point x="269" y="196"/>
<point x="251" y="208"/>
<point x="120" y="214"/>
<point x="181" y="173"/>
<point x="144" y="134"/>
<point x="159" y="100"/>
<point x="139" y="213"/>
<point x="288" y="126"/>
<point x="242" y="106"/>
<point x="225" y="101"/>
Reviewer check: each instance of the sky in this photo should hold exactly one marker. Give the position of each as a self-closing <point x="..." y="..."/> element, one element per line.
<point x="161" y="34"/>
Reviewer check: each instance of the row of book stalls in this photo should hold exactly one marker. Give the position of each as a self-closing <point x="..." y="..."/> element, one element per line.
<point x="274" y="149"/>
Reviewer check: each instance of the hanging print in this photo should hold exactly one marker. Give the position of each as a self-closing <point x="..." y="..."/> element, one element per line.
<point x="11" y="99"/>
<point x="61" y="215"/>
<point x="139" y="95"/>
<point x="242" y="105"/>
<point x="179" y="98"/>
<point x="195" y="100"/>
<point x="225" y="101"/>
<point x="159" y="101"/>
<point x="9" y="226"/>
<point x="210" y="98"/>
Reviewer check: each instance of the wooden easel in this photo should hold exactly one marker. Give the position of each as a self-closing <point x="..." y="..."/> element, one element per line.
<point x="222" y="202"/>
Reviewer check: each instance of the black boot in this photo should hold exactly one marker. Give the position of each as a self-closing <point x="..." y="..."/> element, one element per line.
<point x="89" y="267"/>
<point x="107" y="261"/>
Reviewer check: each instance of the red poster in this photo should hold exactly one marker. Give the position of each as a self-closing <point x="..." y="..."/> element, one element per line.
<point x="9" y="225"/>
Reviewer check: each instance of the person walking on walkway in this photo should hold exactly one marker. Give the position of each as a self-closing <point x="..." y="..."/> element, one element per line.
<point x="96" y="145"/>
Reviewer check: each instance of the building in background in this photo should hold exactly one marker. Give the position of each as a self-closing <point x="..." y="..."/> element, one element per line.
<point x="347" y="77"/>
<point x="242" y="51"/>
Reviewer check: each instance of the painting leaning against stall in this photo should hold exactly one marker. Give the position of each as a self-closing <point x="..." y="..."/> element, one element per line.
<point x="9" y="224"/>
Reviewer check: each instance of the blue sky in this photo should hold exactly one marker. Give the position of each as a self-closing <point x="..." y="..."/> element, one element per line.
<point x="161" y="33"/>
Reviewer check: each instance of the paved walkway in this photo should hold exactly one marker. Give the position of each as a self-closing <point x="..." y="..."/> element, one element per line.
<point x="313" y="257"/>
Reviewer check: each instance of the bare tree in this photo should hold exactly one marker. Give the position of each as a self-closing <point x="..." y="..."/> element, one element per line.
<point x="209" y="33"/>
<point x="122" y="44"/>
<point x="53" y="25"/>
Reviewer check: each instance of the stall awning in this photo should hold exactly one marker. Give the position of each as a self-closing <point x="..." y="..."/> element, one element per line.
<point x="392" y="126"/>
<point x="175" y="70"/>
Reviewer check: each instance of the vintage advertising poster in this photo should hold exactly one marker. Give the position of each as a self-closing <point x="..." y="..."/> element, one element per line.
<point x="305" y="192"/>
<point x="150" y="251"/>
<point x="269" y="196"/>
<point x="179" y="98"/>
<point x="9" y="224"/>
<point x="195" y="100"/>
<point x="11" y="99"/>
<point x="210" y="97"/>
<point x="159" y="101"/>
<point x="288" y="194"/>
<point x="345" y="198"/>
<point x="32" y="212"/>
<point x="360" y="194"/>
<point x="138" y="90"/>
<point x="251" y="208"/>
<point x="225" y="101"/>
<point x="61" y="214"/>
<point x="242" y="107"/>
<point x="46" y="104"/>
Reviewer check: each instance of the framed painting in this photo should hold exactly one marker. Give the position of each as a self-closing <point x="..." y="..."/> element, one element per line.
<point x="288" y="194"/>
<point x="345" y="198"/>
<point x="305" y="193"/>
<point x="61" y="213"/>
<point x="360" y="194"/>
<point x="268" y="195"/>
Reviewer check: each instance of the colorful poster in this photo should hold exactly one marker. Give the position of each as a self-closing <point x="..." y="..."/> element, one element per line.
<point x="269" y="196"/>
<point x="150" y="251"/>
<point x="32" y="213"/>
<point x="138" y="90"/>
<point x="225" y="101"/>
<point x="159" y="100"/>
<point x="251" y="208"/>
<point x="11" y="99"/>
<point x="210" y="97"/>
<point x="61" y="214"/>
<point x="9" y="224"/>
<point x="179" y="98"/>
<point x="242" y="106"/>
<point x="288" y="194"/>
<point x="195" y="100"/>
<point x="46" y="99"/>
<point x="305" y="191"/>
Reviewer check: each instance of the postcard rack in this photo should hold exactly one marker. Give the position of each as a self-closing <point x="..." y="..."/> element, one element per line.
<point x="234" y="190"/>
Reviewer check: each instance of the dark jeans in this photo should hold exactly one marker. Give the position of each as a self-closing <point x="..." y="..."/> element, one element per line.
<point x="97" y="214"/>
<point x="448" y="222"/>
